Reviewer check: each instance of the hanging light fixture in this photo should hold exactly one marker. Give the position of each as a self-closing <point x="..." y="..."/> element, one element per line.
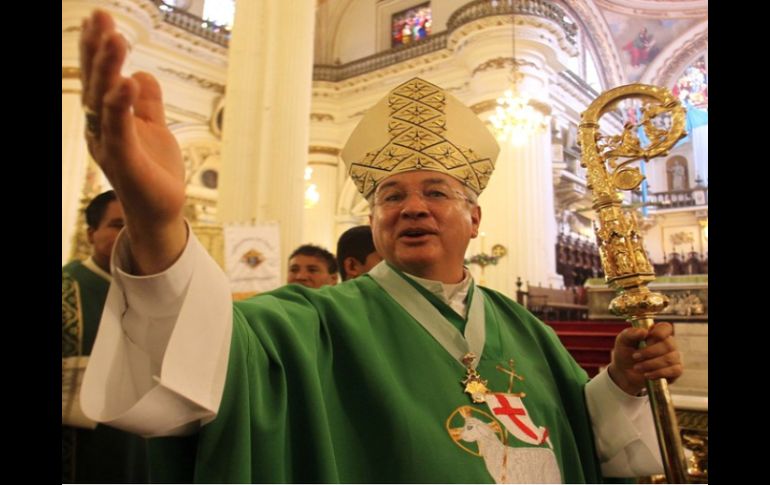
<point x="515" y="120"/>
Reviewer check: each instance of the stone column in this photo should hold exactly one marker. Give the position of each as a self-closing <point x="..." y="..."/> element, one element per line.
<point x="700" y="148"/>
<point x="266" y="116"/>
<point x="518" y="212"/>
<point x="74" y="157"/>
<point x="518" y="204"/>
<point x="318" y="222"/>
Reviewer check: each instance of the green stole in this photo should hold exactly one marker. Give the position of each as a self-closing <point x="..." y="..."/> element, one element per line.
<point x="438" y="318"/>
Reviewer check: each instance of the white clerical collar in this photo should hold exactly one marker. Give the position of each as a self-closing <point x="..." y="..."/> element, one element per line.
<point x="91" y="264"/>
<point x="453" y="294"/>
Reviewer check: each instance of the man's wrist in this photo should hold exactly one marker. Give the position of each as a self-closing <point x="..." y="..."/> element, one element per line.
<point x="619" y="379"/>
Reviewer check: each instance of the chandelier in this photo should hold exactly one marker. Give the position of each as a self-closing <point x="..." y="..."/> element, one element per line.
<point x="515" y="120"/>
<point x="311" y="190"/>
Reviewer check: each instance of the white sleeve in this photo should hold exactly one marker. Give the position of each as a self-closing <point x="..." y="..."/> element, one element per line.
<point x="624" y="430"/>
<point x="159" y="362"/>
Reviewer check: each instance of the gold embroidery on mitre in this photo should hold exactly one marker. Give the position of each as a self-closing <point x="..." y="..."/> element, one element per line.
<point x="416" y="128"/>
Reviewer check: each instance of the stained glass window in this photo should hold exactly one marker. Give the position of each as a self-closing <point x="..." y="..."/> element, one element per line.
<point x="410" y="25"/>
<point x="693" y="85"/>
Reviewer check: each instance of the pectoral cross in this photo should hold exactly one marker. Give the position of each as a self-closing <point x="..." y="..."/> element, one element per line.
<point x="511" y="376"/>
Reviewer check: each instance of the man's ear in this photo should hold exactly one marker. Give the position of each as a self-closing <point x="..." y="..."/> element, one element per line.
<point x="352" y="267"/>
<point x="90" y="234"/>
<point x="475" y="220"/>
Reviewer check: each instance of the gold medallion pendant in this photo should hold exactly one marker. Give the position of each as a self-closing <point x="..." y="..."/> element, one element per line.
<point x="474" y="384"/>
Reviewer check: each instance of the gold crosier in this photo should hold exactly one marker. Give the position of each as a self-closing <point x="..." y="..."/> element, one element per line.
<point x="622" y="253"/>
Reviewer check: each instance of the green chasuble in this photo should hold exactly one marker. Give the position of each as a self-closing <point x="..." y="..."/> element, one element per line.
<point x="343" y="384"/>
<point x="104" y="454"/>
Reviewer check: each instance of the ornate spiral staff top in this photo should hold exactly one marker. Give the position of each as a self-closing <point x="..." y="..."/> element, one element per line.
<point x="626" y="266"/>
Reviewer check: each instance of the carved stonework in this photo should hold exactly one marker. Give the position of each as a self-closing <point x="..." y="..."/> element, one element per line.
<point x="324" y="150"/>
<point x="195" y="158"/>
<point x="694" y="426"/>
<point x="595" y="27"/>
<point x="491" y="104"/>
<point x="200" y="210"/>
<point x="679" y="60"/>
<point x="92" y="187"/>
<point x="656" y="8"/>
<point x="211" y="236"/>
<point x="321" y="117"/>
<point x="81" y="249"/>
<point x="70" y="72"/>
<point x="192" y="78"/>
<point x="565" y="42"/>
<point x="501" y="63"/>
<point x="482" y="106"/>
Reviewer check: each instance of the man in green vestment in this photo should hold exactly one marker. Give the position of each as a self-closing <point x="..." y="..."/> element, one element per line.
<point x="92" y="453"/>
<point x="410" y="373"/>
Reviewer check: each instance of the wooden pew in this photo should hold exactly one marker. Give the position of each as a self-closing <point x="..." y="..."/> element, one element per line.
<point x="551" y="303"/>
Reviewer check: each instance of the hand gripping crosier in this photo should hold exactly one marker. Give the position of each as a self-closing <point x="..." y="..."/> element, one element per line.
<point x="626" y="266"/>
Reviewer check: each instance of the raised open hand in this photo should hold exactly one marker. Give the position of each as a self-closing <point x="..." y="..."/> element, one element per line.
<point x="127" y="135"/>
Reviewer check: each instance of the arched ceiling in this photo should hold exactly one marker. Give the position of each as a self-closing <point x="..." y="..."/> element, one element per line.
<point x="659" y="28"/>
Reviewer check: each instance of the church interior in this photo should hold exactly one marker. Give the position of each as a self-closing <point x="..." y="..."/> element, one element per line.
<point x="262" y="96"/>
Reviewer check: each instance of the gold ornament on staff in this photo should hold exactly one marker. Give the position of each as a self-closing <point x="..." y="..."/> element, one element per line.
<point x="626" y="266"/>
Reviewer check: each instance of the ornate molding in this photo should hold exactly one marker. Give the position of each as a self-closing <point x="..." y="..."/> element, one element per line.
<point x="696" y="420"/>
<point x="71" y="28"/>
<point x="677" y="61"/>
<point x="469" y="18"/>
<point x="321" y="162"/>
<point x="193" y="24"/>
<point x="191" y="114"/>
<point x="491" y="104"/>
<point x="324" y="150"/>
<point x="657" y="8"/>
<point x="92" y="187"/>
<point x="397" y="55"/>
<point x="70" y="72"/>
<point x="482" y="106"/>
<point x="196" y="157"/>
<point x="321" y="117"/>
<point x="564" y="40"/>
<point x="71" y="91"/>
<point x="598" y="35"/>
<point x="501" y="63"/>
<point x="479" y="9"/>
<point x="580" y="83"/>
<point x="193" y="79"/>
<point x="573" y="86"/>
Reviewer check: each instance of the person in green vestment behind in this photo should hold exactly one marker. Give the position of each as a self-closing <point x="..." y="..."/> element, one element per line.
<point x="356" y="253"/>
<point x="92" y="453"/>
<point x="409" y="373"/>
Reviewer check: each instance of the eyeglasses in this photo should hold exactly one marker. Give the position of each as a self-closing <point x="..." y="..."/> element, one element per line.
<point x="434" y="196"/>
